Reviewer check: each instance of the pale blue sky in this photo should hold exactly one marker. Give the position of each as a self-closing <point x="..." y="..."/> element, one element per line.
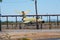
<point x="9" y="7"/>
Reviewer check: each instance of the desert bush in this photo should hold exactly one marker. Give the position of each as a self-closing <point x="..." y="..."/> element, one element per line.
<point x="25" y="39"/>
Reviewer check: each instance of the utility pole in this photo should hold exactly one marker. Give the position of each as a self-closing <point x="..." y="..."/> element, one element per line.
<point x="37" y="25"/>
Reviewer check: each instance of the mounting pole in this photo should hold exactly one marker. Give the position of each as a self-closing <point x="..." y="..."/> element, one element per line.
<point x="37" y="25"/>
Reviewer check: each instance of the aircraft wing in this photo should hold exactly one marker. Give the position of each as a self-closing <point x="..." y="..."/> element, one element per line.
<point x="26" y="22"/>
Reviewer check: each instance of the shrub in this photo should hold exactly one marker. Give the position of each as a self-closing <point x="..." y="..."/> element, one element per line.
<point x="25" y="39"/>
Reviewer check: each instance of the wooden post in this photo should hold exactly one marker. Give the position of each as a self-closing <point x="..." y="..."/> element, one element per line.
<point x="49" y="23"/>
<point x="16" y="23"/>
<point x="7" y="22"/>
<point x="41" y="23"/>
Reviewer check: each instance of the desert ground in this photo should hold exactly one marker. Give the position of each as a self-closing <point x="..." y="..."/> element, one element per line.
<point x="32" y="34"/>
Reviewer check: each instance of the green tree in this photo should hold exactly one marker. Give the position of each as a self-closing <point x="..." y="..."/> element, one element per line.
<point x="0" y="0"/>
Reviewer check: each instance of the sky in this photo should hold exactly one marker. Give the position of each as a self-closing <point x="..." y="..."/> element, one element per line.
<point x="10" y="7"/>
<point x="14" y="7"/>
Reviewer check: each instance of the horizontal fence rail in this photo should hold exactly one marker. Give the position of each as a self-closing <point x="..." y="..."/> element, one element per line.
<point x="29" y="15"/>
<point x="50" y="22"/>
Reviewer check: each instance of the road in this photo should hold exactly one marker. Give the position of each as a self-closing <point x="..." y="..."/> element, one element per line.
<point x="31" y="30"/>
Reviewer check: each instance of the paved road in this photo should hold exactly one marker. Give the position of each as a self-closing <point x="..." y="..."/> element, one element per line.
<point x="31" y="30"/>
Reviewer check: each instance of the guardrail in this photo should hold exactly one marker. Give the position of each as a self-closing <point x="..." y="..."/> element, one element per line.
<point x="49" y="23"/>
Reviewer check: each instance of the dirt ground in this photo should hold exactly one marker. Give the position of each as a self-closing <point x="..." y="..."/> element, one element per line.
<point x="33" y="34"/>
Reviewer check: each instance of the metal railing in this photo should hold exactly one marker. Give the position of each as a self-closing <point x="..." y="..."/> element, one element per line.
<point x="47" y="24"/>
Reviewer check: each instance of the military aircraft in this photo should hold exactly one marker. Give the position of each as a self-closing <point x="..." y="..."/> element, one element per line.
<point x="30" y="20"/>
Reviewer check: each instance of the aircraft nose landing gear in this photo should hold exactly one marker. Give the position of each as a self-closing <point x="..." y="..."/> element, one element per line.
<point x="43" y="21"/>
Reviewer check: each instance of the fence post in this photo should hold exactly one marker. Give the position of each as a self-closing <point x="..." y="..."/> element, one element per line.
<point x="49" y="23"/>
<point x="41" y="23"/>
<point x="16" y="23"/>
<point x="7" y="22"/>
<point x="0" y="22"/>
<point x="19" y="25"/>
<point x="57" y="22"/>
